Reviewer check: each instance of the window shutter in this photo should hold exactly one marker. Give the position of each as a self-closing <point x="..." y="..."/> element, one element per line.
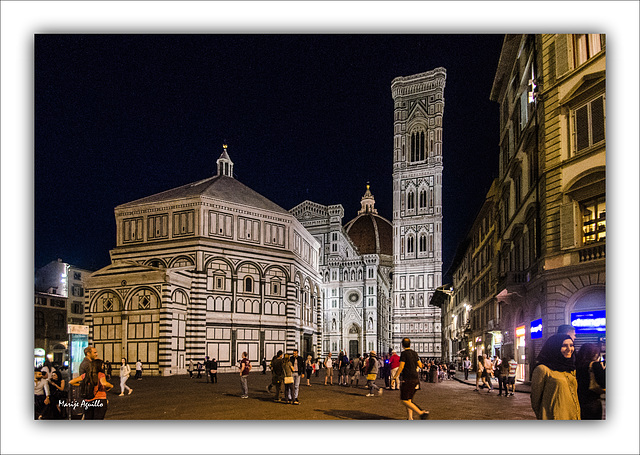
<point x="569" y="216"/>
<point x="582" y="128"/>
<point x="597" y="120"/>
<point x="564" y="54"/>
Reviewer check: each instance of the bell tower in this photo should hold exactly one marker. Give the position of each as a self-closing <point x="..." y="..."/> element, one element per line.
<point x="417" y="209"/>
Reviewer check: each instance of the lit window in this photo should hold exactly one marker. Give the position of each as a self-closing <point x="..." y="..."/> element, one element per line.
<point x="594" y="224"/>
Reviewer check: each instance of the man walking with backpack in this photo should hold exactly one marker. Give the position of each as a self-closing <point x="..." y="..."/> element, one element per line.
<point x="409" y="363"/>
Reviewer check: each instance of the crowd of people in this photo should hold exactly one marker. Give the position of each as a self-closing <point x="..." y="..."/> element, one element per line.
<point x="52" y="394"/>
<point x="564" y="386"/>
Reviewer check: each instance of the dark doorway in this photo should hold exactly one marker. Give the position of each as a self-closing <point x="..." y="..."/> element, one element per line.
<point x="307" y="346"/>
<point x="353" y="348"/>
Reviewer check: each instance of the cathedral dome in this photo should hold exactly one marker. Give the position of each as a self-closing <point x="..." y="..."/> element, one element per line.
<point x="369" y="232"/>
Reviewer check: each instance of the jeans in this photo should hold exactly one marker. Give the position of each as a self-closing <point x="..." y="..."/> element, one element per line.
<point x="288" y="392"/>
<point x="372" y="385"/>
<point x="245" y="387"/>
<point x="296" y="385"/>
<point x="502" y="383"/>
<point x="466" y="374"/>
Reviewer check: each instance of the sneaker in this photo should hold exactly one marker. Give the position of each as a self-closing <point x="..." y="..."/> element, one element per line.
<point x="380" y="392"/>
<point x="122" y="394"/>
<point x="369" y="394"/>
<point x="130" y="390"/>
<point x="424" y="415"/>
<point x="296" y="402"/>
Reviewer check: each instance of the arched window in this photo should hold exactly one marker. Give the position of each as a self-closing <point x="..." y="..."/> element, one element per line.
<point x="39" y="319"/>
<point x="410" y="200"/>
<point x="423" y="243"/>
<point x="410" y="245"/>
<point x="248" y="284"/>
<point x="423" y="199"/>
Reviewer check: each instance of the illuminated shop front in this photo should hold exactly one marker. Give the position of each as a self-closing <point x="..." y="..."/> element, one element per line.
<point x="520" y="353"/>
<point x="591" y="327"/>
<point x="496" y="343"/>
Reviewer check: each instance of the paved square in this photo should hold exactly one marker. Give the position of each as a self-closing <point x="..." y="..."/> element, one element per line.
<point x="183" y="398"/>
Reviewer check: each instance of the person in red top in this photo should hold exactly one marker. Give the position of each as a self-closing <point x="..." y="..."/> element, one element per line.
<point x="96" y="407"/>
<point x="394" y="364"/>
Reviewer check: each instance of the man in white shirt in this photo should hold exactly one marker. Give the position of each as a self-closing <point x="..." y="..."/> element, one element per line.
<point x="40" y="393"/>
<point x="139" y="370"/>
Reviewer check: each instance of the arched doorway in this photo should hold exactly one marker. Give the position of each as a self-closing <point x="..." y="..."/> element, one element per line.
<point x="588" y="315"/>
<point x="353" y="339"/>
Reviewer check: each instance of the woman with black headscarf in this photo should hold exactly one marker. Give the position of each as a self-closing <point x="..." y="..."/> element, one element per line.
<point x="554" y="389"/>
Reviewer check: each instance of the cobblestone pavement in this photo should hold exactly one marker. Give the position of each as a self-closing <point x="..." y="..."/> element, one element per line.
<point x="184" y="398"/>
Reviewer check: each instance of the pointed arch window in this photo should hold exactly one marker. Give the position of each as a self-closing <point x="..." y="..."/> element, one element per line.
<point x="422" y="199"/>
<point x="423" y="243"/>
<point x="411" y="200"/>
<point x="410" y="244"/>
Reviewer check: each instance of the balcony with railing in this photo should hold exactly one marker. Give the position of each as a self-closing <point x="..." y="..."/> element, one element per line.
<point x="592" y="252"/>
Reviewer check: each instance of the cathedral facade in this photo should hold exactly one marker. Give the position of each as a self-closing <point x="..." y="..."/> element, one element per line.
<point x="355" y="266"/>
<point x="211" y="268"/>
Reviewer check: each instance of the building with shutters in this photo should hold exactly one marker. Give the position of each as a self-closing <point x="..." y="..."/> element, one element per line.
<point x="59" y="301"/>
<point x="211" y="268"/>
<point x="551" y="204"/>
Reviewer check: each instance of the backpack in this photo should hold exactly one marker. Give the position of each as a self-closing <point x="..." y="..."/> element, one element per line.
<point x="87" y="388"/>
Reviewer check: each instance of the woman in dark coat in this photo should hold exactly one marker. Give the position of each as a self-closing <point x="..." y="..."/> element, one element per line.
<point x="588" y="358"/>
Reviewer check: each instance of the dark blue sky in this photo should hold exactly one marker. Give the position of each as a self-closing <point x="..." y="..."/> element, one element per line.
<point x="120" y="117"/>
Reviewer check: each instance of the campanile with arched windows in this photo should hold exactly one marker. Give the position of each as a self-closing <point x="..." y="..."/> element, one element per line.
<point x="417" y="208"/>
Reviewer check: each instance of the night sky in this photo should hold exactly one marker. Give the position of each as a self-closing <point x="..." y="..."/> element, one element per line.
<point x="120" y="117"/>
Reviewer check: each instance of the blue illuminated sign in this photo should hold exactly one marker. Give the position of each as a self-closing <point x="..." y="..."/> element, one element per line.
<point x="589" y="321"/>
<point x="536" y="329"/>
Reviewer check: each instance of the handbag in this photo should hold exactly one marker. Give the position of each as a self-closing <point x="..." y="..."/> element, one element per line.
<point x="371" y="377"/>
<point x="288" y="379"/>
